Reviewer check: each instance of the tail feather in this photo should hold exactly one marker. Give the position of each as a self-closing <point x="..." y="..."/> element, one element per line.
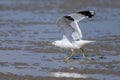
<point x="84" y="42"/>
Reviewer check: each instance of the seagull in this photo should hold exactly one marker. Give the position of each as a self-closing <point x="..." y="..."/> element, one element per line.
<point x="72" y="35"/>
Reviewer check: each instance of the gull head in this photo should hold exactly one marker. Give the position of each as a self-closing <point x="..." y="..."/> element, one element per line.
<point x="55" y="43"/>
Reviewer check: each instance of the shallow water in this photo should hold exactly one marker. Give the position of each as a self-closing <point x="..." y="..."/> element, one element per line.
<point x="26" y="27"/>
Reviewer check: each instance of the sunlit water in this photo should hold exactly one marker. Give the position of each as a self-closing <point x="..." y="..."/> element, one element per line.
<point x="26" y="27"/>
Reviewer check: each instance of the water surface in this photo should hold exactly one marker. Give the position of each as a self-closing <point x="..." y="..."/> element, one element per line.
<point x="26" y="27"/>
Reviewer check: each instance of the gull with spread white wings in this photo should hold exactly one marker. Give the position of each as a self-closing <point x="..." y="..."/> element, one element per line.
<point x="72" y="35"/>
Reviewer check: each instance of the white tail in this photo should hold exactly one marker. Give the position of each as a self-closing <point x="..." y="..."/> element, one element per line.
<point x="84" y="42"/>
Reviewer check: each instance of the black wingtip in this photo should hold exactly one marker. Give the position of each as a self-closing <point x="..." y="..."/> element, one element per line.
<point x="90" y="14"/>
<point x="69" y="18"/>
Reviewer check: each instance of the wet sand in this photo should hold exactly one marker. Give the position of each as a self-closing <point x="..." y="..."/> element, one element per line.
<point x="26" y="27"/>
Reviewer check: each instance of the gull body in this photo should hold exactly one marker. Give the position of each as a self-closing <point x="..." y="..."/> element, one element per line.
<point x="74" y="45"/>
<point x="72" y="35"/>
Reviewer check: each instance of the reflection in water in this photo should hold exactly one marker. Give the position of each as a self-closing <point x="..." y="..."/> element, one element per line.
<point x="65" y="74"/>
<point x="84" y="76"/>
<point x="79" y="61"/>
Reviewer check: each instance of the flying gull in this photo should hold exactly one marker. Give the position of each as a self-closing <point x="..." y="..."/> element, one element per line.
<point x="72" y="35"/>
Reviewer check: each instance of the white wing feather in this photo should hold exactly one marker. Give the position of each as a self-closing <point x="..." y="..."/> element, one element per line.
<point x="77" y="34"/>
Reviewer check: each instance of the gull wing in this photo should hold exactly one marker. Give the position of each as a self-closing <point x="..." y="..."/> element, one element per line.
<point x="69" y="27"/>
<point x="78" y="16"/>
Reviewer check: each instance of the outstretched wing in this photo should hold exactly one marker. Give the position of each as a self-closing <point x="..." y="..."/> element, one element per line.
<point x="69" y="27"/>
<point x="78" y="16"/>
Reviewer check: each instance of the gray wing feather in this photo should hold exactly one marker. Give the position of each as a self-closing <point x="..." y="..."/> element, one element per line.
<point x="69" y="26"/>
<point x="78" y="17"/>
<point x="69" y="29"/>
<point x="65" y="28"/>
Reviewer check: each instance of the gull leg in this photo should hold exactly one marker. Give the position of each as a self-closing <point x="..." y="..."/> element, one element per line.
<point x="83" y="53"/>
<point x="68" y="58"/>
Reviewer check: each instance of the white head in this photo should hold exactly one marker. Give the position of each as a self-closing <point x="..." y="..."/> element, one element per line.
<point x="57" y="43"/>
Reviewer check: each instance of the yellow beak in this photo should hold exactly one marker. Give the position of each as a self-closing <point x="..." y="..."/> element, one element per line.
<point x="50" y="44"/>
